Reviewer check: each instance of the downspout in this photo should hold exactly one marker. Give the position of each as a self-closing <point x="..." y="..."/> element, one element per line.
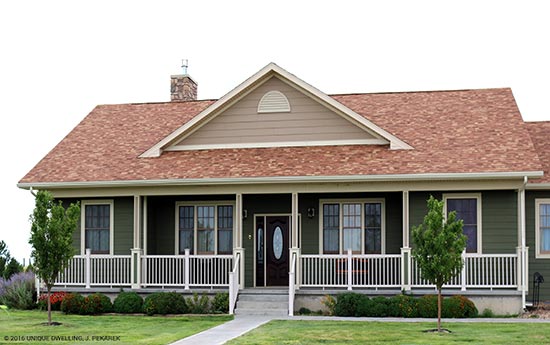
<point x="524" y="259"/>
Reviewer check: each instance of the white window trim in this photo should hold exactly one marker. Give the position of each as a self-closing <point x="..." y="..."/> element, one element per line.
<point x="83" y="205"/>
<point x="215" y="204"/>
<point x="538" y="254"/>
<point x="341" y="215"/>
<point x="477" y="196"/>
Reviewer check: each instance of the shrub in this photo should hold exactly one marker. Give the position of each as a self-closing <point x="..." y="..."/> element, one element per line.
<point x="408" y="305"/>
<point x="380" y="306"/>
<point x="487" y="313"/>
<point x="19" y="291"/>
<point x="198" y="305"/>
<point x="55" y="299"/>
<point x="393" y="308"/>
<point x="128" y="302"/>
<point x="427" y="306"/>
<point x="346" y="304"/>
<point x="458" y="307"/>
<point x="220" y="303"/>
<point x="365" y="307"/>
<point x="329" y="302"/>
<point x="96" y="303"/>
<point x="304" y="311"/>
<point x="72" y="303"/>
<point x="164" y="303"/>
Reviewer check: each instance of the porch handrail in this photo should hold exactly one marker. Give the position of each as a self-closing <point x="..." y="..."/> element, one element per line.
<point x="292" y="284"/>
<point x="234" y="283"/>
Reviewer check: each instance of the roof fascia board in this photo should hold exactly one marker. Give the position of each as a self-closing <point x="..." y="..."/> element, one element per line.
<point x="288" y="179"/>
<point x="536" y="186"/>
<point x="258" y="78"/>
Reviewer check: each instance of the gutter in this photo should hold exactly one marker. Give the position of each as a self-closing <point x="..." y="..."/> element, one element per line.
<point x="287" y="179"/>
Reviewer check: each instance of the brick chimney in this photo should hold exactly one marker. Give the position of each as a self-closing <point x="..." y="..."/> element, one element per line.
<point x="183" y="88"/>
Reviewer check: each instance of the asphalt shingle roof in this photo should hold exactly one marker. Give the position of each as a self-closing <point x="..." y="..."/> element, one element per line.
<point x="465" y="131"/>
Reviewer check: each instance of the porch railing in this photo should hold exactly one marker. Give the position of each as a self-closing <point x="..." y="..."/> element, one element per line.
<point x="479" y="271"/>
<point x="485" y="271"/>
<point x="292" y="283"/>
<point x="234" y="283"/>
<point x="97" y="270"/>
<point x="351" y="270"/>
<point x="186" y="270"/>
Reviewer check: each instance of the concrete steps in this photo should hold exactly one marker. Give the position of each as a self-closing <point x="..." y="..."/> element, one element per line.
<point x="272" y="302"/>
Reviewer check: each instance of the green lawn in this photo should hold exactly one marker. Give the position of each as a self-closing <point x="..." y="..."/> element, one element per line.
<point x="132" y="329"/>
<point x="351" y="332"/>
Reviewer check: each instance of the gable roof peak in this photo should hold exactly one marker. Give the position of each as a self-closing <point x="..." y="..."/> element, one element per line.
<point x="270" y="70"/>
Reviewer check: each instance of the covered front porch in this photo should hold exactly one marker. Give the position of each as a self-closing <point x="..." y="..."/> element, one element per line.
<point x="303" y="241"/>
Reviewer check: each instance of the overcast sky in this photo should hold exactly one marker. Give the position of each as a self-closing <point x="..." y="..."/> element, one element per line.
<point x="58" y="59"/>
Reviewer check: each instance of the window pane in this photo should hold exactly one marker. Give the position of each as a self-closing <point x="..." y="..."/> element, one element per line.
<point x="205" y="217"/>
<point x="373" y="228"/>
<point x="205" y="241"/>
<point x="545" y="240"/>
<point x="186" y="241"/>
<point x="331" y="228"/>
<point x="97" y="226"/>
<point x="186" y="228"/>
<point x="471" y="242"/>
<point x="225" y="229"/>
<point x="352" y="239"/>
<point x="466" y="209"/>
<point x="352" y="226"/>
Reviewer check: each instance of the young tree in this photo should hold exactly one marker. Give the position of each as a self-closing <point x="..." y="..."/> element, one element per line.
<point x="51" y="238"/>
<point x="4" y="257"/>
<point x="438" y="247"/>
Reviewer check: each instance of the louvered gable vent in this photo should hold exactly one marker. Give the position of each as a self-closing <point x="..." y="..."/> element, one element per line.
<point x="274" y="102"/>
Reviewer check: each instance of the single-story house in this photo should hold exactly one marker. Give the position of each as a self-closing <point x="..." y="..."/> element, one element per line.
<point x="278" y="189"/>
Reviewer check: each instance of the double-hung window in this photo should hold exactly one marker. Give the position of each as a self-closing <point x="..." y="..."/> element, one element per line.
<point x="355" y="224"/>
<point x="467" y="208"/>
<point x="97" y="226"/>
<point x="204" y="228"/>
<point x="542" y="228"/>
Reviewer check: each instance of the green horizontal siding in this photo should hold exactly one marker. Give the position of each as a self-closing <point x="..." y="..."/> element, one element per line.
<point x="498" y="218"/>
<point x="123" y="225"/>
<point x="536" y="265"/>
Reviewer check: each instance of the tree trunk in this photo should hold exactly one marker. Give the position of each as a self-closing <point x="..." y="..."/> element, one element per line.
<point x="439" y="309"/>
<point x="49" y="307"/>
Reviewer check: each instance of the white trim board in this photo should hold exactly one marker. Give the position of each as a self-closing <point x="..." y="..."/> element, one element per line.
<point x="288" y="179"/>
<point x="251" y="83"/>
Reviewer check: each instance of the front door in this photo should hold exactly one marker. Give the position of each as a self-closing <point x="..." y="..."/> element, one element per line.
<point x="276" y="250"/>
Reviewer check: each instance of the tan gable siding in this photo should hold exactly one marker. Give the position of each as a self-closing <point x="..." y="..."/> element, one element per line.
<point x="306" y="121"/>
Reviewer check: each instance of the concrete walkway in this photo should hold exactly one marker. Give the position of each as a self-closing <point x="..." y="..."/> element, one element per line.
<point x="242" y="324"/>
<point x="223" y="333"/>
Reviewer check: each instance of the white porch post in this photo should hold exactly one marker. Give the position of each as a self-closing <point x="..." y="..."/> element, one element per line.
<point x="295" y="245"/>
<point x="238" y="241"/>
<point x="523" y="259"/>
<point x="463" y="272"/>
<point x="88" y="270"/>
<point x="406" y="250"/>
<point x="187" y="268"/>
<point x="136" y="251"/>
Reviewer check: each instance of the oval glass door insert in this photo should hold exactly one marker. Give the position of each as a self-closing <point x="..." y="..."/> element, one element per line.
<point x="278" y="242"/>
